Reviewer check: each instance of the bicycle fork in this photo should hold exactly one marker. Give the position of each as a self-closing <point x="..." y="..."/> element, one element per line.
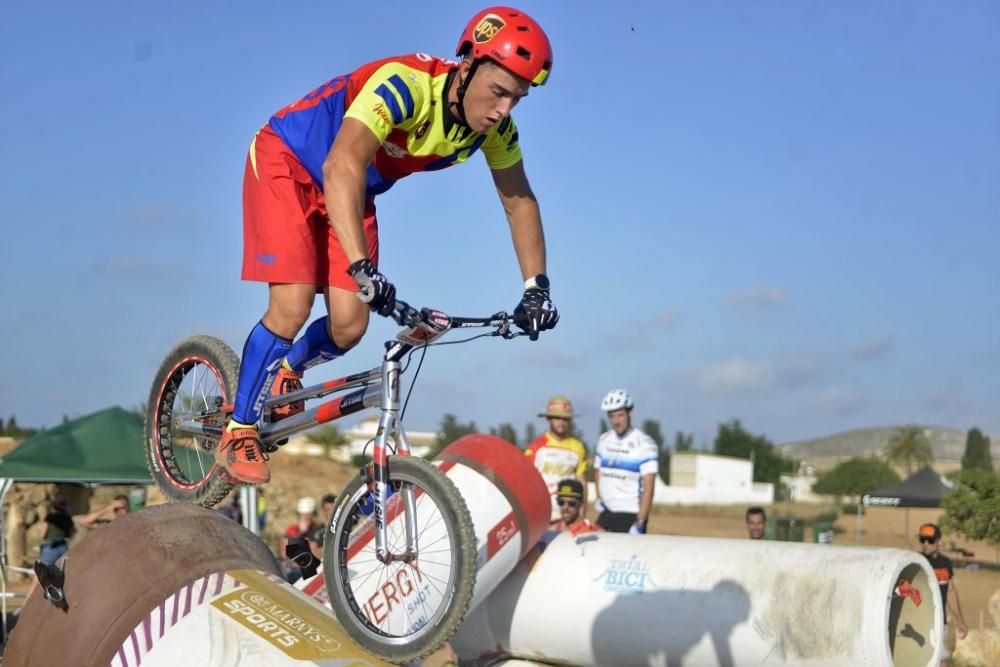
<point x="389" y="427"/>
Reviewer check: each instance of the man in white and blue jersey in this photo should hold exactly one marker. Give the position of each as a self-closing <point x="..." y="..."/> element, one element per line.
<point x="627" y="462"/>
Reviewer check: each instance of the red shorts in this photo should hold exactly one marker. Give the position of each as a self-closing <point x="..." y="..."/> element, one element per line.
<point x="287" y="236"/>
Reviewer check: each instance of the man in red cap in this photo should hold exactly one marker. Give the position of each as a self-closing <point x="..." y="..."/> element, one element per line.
<point x="309" y="188"/>
<point x="556" y="453"/>
<point x="930" y="545"/>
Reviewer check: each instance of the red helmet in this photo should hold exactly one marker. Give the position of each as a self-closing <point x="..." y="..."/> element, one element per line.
<point x="511" y="38"/>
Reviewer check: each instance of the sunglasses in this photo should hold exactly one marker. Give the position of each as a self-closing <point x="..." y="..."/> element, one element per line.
<point x="563" y="502"/>
<point x="928" y="540"/>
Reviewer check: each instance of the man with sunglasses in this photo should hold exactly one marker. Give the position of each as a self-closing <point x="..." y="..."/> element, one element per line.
<point x="557" y="454"/>
<point x="930" y="546"/>
<point x="569" y="499"/>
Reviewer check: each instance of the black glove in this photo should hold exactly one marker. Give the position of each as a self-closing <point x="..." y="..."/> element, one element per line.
<point x="535" y="312"/>
<point x="376" y="290"/>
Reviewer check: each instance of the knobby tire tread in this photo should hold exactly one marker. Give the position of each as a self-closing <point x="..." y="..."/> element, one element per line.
<point x="455" y="513"/>
<point x="225" y="361"/>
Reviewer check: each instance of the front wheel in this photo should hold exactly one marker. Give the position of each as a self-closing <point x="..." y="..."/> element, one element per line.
<point x="196" y="383"/>
<point x="405" y="609"/>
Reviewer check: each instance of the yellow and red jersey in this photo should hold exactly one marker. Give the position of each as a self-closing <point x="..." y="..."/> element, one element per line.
<point x="402" y="100"/>
<point x="556" y="459"/>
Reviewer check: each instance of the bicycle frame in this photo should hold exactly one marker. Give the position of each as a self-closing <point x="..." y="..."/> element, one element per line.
<point x="378" y="387"/>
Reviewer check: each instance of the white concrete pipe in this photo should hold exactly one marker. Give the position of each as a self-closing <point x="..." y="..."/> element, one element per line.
<point x="615" y="600"/>
<point x="509" y="505"/>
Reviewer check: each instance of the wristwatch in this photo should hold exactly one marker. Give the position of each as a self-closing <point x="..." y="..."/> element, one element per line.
<point x="541" y="281"/>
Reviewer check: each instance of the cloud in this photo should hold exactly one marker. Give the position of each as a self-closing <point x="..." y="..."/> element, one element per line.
<point x="736" y="376"/>
<point x="666" y="318"/>
<point x="873" y="348"/>
<point x="550" y="358"/>
<point x="842" y="401"/>
<point x="165" y="216"/>
<point x="123" y="265"/>
<point x="747" y="376"/>
<point x="757" y="300"/>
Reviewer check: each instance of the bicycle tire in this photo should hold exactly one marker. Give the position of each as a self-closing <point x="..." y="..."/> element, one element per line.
<point x="349" y="610"/>
<point x="162" y="454"/>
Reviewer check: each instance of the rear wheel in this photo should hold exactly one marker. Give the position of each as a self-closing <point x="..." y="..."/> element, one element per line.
<point x="405" y="609"/>
<point x="195" y="383"/>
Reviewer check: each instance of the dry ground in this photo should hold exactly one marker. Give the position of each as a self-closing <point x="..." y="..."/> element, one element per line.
<point x="294" y="477"/>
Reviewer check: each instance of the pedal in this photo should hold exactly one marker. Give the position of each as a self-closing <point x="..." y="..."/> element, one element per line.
<point x="272" y="447"/>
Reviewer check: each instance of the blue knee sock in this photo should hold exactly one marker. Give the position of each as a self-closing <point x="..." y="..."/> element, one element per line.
<point x="262" y="355"/>
<point x="314" y="347"/>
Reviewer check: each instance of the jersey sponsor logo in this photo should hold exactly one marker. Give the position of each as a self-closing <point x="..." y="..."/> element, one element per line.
<point x="942" y="574"/>
<point x="382" y="113"/>
<point x="487" y="28"/>
<point x="393" y="150"/>
<point x="422" y="130"/>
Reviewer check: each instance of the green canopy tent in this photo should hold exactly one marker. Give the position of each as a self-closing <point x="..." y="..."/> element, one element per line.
<point x="101" y="448"/>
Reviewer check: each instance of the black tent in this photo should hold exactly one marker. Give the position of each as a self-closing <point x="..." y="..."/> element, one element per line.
<point x="924" y="488"/>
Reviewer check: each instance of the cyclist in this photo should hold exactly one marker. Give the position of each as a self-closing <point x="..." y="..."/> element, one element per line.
<point x="311" y="178"/>
<point x="557" y="454"/>
<point x="627" y="463"/>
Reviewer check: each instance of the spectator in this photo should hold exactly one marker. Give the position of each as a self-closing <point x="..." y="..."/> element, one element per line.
<point x="930" y="545"/>
<point x="105" y="515"/>
<point x="55" y="531"/>
<point x="305" y="526"/>
<point x="627" y="463"/>
<point x="756" y="523"/>
<point x="557" y="454"/>
<point x="569" y="498"/>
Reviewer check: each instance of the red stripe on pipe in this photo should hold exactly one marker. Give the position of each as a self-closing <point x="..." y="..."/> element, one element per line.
<point x="500" y="535"/>
<point x="511" y="467"/>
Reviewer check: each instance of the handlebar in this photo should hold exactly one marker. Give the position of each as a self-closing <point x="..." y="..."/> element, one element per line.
<point x="436" y="321"/>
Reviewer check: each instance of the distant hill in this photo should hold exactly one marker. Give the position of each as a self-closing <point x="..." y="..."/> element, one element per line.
<point x="948" y="444"/>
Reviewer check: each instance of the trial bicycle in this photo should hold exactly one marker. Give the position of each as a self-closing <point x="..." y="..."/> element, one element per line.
<point x="399" y="554"/>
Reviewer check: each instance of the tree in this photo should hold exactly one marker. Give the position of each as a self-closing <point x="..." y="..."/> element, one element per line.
<point x="505" y="431"/>
<point x="683" y="442"/>
<point x="603" y="428"/>
<point x="856" y="477"/>
<point x="977" y="451"/>
<point x="734" y="440"/>
<point x="908" y="448"/>
<point x="451" y="430"/>
<point x="973" y="507"/>
<point x="529" y="434"/>
<point x="651" y="427"/>
<point x="329" y="437"/>
<point x="2" y="429"/>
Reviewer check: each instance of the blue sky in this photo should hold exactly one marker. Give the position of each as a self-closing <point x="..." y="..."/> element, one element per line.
<point x="786" y="212"/>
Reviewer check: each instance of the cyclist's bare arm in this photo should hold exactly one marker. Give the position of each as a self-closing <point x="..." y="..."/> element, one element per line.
<point x="524" y="217"/>
<point x="344" y="185"/>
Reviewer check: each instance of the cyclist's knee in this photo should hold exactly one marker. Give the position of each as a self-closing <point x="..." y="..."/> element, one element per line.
<point x="347" y="332"/>
<point x="287" y="316"/>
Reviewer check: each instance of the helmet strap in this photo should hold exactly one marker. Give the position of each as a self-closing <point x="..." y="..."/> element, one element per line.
<point x="463" y="84"/>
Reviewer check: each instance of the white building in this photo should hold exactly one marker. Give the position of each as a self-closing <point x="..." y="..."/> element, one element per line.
<point x="707" y="479"/>
<point x="358" y="436"/>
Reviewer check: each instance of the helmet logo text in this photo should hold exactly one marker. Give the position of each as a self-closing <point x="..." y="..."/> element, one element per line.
<point x="487" y="28"/>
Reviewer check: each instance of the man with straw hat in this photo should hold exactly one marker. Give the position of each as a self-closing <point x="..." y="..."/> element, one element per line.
<point x="556" y="453"/>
